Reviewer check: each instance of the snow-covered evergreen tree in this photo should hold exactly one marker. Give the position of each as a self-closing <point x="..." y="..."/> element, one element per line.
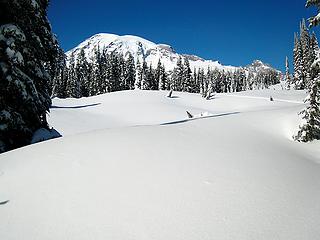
<point x="239" y="80"/>
<point x="151" y="84"/>
<point x="71" y="78"/>
<point x="307" y="51"/>
<point x="178" y="76"/>
<point x="310" y="129"/>
<point x="195" y="82"/>
<point x="122" y="73"/>
<point x="27" y="48"/>
<point x="114" y="72"/>
<point x="201" y="80"/>
<point x="144" y="72"/>
<point x="304" y="55"/>
<point x="130" y="73"/>
<point x="287" y="77"/>
<point x="82" y="73"/>
<point x="138" y="80"/>
<point x="164" y="79"/>
<point x="186" y="81"/>
<point x="298" y="63"/>
<point x="314" y="44"/>
<point x="315" y="20"/>
<point x="161" y="76"/>
<point x="94" y="74"/>
<point x="58" y="70"/>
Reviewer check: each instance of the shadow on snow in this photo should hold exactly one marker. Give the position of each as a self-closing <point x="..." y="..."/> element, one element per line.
<point x="198" y="118"/>
<point x="76" y="107"/>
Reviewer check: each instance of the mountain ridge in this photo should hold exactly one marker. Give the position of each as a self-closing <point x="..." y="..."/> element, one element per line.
<point x="144" y="50"/>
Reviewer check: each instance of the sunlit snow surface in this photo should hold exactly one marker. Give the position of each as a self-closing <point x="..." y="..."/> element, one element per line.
<point x="131" y="165"/>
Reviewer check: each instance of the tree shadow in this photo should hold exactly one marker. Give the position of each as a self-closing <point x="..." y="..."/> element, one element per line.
<point x="198" y="118"/>
<point x="76" y="107"/>
<point x="4" y="202"/>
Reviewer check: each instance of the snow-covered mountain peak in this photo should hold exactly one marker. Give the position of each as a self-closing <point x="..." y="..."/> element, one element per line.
<point x="257" y="65"/>
<point x="102" y="39"/>
<point x="136" y="39"/>
<point x="145" y="50"/>
<point x="166" y="47"/>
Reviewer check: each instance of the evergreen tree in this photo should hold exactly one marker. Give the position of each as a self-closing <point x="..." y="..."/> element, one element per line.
<point x="186" y="81"/>
<point x="298" y="63"/>
<point x="315" y="20"/>
<point x="103" y="88"/>
<point x="94" y="74"/>
<point x="144" y="80"/>
<point x="114" y="73"/>
<point x="250" y="81"/>
<point x="239" y="80"/>
<point x="121" y="68"/>
<point x="287" y="77"/>
<point x="27" y="48"/>
<point x="178" y="76"/>
<point x="60" y="89"/>
<point x="229" y="81"/>
<point x="139" y="74"/>
<point x="161" y="76"/>
<point x="71" y="78"/>
<point x="58" y="70"/>
<point x="157" y="75"/>
<point x="195" y="82"/>
<point x="310" y="129"/>
<point x="307" y="52"/>
<point x="314" y="44"/>
<point x="164" y="81"/>
<point x="216" y="80"/>
<point x="151" y="84"/>
<point x="82" y="74"/>
<point x="315" y="55"/>
<point x="130" y="73"/>
<point x="154" y="78"/>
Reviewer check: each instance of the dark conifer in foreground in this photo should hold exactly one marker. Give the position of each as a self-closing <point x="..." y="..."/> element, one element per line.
<point x="28" y="56"/>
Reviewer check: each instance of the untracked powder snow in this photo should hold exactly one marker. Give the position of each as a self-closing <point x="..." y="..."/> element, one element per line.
<point x="132" y="165"/>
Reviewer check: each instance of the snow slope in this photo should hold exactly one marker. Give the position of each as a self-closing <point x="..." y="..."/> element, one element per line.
<point x="143" y="49"/>
<point x="132" y="166"/>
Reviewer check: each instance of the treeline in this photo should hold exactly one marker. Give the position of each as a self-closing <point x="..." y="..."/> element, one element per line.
<point x="105" y="73"/>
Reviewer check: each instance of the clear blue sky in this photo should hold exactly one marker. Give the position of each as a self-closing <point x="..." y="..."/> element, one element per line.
<point x="233" y="32"/>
